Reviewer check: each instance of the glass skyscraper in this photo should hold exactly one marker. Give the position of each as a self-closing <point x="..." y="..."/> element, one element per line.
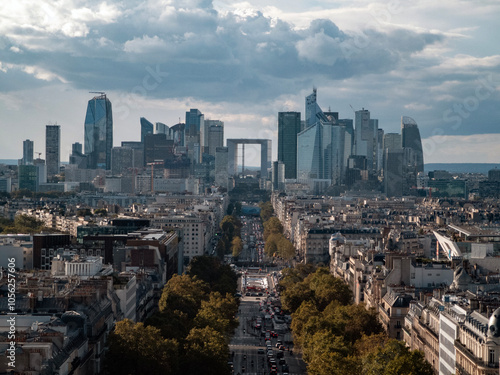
<point x="99" y="132"/>
<point x="27" y="152"/>
<point x="52" y="149"/>
<point x="411" y="139"/>
<point x="146" y="128"/>
<point x="288" y="128"/>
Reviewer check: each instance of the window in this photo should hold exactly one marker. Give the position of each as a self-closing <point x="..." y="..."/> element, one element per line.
<point x="492" y="356"/>
<point x="412" y="276"/>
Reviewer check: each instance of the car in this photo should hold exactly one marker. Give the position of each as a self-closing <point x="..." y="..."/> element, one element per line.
<point x="280" y="355"/>
<point x="282" y="361"/>
<point x="260" y="351"/>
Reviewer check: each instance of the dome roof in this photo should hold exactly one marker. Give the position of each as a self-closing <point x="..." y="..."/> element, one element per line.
<point x="494" y="324"/>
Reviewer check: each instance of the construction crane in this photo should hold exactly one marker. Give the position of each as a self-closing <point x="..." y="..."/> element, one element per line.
<point x="352" y="108"/>
<point x="152" y="164"/>
<point x="39" y="154"/>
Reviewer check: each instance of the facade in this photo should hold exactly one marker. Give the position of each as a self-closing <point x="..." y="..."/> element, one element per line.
<point x="122" y="159"/>
<point x="99" y="132"/>
<point x="52" y="149"/>
<point x="27" y="152"/>
<point x="289" y="125"/>
<point x="146" y="128"/>
<point x="221" y="167"/>
<point x="366" y="138"/>
<point x="393" y="172"/>
<point x="278" y="176"/>
<point x="214" y="136"/>
<point x="410" y="136"/>
<point x="157" y="147"/>
<point x="28" y="177"/>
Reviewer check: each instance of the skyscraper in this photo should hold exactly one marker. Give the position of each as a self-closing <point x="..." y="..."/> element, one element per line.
<point x="52" y="149"/>
<point x="146" y="128"/>
<point x="214" y="136"/>
<point x="194" y="134"/>
<point x="27" y="152"/>
<point x="99" y="132"/>
<point x="365" y="143"/>
<point x="313" y="110"/>
<point x="288" y="128"/>
<point x="411" y="139"/>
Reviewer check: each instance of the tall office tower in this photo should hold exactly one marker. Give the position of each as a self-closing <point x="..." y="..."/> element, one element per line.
<point x="194" y="134"/>
<point x="178" y="134"/>
<point x="52" y="149"/>
<point x="99" y="132"/>
<point x="392" y="141"/>
<point x="411" y="139"/>
<point x="157" y="147"/>
<point x="27" y="152"/>
<point x="77" y="157"/>
<point x="278" y="176"/>
<point x="380" y="149"/>
<point x="288" y="128"/>
<point x="161" y="128"/>
<point x="394" y="172"/>
<point x="215" y="136"/>
<point x="349" y="138"/>
<point x="146" y="128"/>
<point x="138" y="148"/>
<point x="222" y="167"/>
<point x="365" y="142"/>
<point x="313" y="110"/>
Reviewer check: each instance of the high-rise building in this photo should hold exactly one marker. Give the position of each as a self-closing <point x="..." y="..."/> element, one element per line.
<point x="52" y="149"/>
<point x="221" y="167"/>
<point x="157" y="147"/>
<point x="214" y="136"/>
<point x="194" y="134"/>
<point x="99" y="132"/>
<point x="146" y="128"/>
<point x="313" y="110"/>
<point x="27" y="152"/>
<point x="365" y="142"/>
<point x="392" y="141"/>
<point x="77" y="157"/>
<point x="122" y="158"/>
<point x="288" y="129"/>
<point x="28" y="177"/>
<point x="278" y="176"/>
<point x="411" y="139"/>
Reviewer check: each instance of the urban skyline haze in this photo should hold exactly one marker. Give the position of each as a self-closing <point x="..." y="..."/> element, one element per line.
<point x="242" y="63"/>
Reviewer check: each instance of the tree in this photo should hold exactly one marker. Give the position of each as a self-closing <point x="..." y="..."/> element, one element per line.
<point x="218" y="313"/>
<point x="394" y="358"/>
<point x="206" y="349"/>
<point x="272" y="226"/>
<point x="271" y="245"/>
<point x="328" y="288"/>
<point x="220" y="277"/>
<point x="135" y="349"/>
<point x="286" y="250"/>
<point x="266" y="211"/>
<point x="183" y="293"/>
<point x="236" y="246"/>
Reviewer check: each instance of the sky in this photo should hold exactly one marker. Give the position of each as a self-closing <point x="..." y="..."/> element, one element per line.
<point x="243" y="62"/>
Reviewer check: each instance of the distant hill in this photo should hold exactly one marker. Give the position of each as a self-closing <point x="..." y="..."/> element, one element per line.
<point x="8" y="161"/>
<point x="461" y="167"/>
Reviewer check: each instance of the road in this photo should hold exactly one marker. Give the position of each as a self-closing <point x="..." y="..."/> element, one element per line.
<point x="247" y="341"/>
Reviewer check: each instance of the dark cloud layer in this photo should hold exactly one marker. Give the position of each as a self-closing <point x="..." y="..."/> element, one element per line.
<point x="207" y="55"/>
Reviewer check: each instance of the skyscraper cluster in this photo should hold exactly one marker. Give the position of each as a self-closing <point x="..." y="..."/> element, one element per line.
<point x="324" y="151"/>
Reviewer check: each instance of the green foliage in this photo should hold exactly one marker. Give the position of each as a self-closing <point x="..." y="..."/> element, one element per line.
<point x="266" y="211"/>
<point x="84" y="212"/>
<point x="23" y="224"/>
<point x="135" y="349"/>
<point x="236" y="246"/>
<point x="220" y="277"/>
<point x="321" y="287"/>
<point x="206" y="352"/>
<point x="394" y="358"/>
<point x="338" y="337"/>
<point x="218" y="312"/>
<point x="184" y="294"/>
<point x="272" y="226"/>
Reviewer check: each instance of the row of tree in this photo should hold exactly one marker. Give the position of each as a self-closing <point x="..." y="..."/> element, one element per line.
<point x="23" y="224"/>
<point x="277" y="245"/>
<point x="336" y="336"/>
<point x="230" y="241"/>
<point x="191" y="331"/>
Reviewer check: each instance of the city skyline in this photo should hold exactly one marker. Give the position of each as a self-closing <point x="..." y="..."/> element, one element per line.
<point x="242" y="63"/>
